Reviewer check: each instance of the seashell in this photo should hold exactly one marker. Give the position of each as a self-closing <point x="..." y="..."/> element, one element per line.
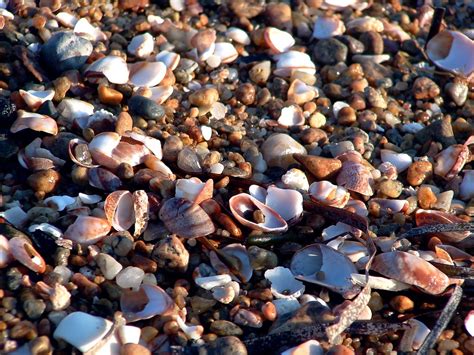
<point x="411" y="269"/>
<point x="388" y="170"/>
<point x="209" y="282"/>
<point x="34" y="99"/>
<point x="357" y="207"/>
<point x="277" y="40"/>
<point x="291" y="116"/>
<point x="84" y="29"/>
<point x="59" y="202"/>
<point x="469" y="323"/>
<point x="185" y="218"/>
<point x="287" y="203"/>
<point x="364" y="24"/>
<point x="145" y="303"/>
<point x="400" y="160"/>
<point x="161" y="93"/>
<point x="300" y="93"/>
<point x="119" y="210"/>
<point x="450" y="161"/>
<point x="414" y="337"/>
<point x="375" y="58"/>
<point x="35" y="158"/>
<point x="170" y="59"/>
<point x="141" y="208"/>
<point x="259" y="192"/>
<point x="114" y="68"/>
<point x="194" y="190"/>
<point x="178" y="5"/>
<point x="293" y="61"/>
<point x="82" y="330"/>
<point x="427" y="217"/>
<point x="322" y="265"/>
<point x="338" y="106"/>
<point x="224" y="294"/>
<point x="74" y="109"/>
<point x="204" y="43"/>
<point x="310" y="347"/>
<point x="152" y="144"/>
<point x="243" y="204"/>
<point x="248" y="318"/>
<point x="352" y="249"/>
<point x="34" y="121"/>
<point x="147" y="74"/>
<point x="339" y="229"/>
<point x="79" y="153"/>
<point x="66" y="19"/>
<point x="239" y="251"/>
<point x="284" y="284"/>
<point x="193" y="332"/>
<point x="16" y="216"/>
<point x="5" y="255"/>
<point x="356" y="177"/>
<point x="141" y="46"/>
<point x="380" y="283"/>
<point x="103" y="179"/>
<point x="341" y="4"/>
<point x="22" y="251"/>
<point x="286" y="305"/>
<point x="278" y="150"/>
<point x="327" y="27"/>
<point x="89" y="199"/>
<point x="53" y="231"/>
<point x="452" y="51"/>
<point x="226" y="52"/>
<point x="328" y="193"/>
<point x="155" y="164"/>
<point x="295" y="179"/>
<point x="391" y="206"/>
<point x="87" y="230"/>
<point x="466" y="189"/>
<point x="238" y="35"/>
<point x="395" y="31"/>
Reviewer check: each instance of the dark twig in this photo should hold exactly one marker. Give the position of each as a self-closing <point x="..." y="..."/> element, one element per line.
<point x="458" y="272"/>
<point x="438" y="228"/>
<point x="436" y="23"/>
<point x="443" y="320"/>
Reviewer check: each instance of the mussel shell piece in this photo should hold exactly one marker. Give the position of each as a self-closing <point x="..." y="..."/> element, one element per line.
<point x="426" y="217"/>
<point x="185" y="218"/>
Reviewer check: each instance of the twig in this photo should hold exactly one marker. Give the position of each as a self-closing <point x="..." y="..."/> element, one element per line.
<point x="436" y="23"/>
<point x="438" y="228"/>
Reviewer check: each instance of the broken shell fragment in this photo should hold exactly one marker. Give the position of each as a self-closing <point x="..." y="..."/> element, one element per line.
<point x="278" y="150"/>
<point x="427" y="217"/>
<point x="22" y="251"/>
<point x="226" y="52"/>
<point x="5" y="255"/>
<point x="193" y="332"/>
<point x="239" y="251"/>
<point x="291" y="116"/>
<point x="34" y="121"/>
<point x="34" y="99"/>
<point x="185" y="218"/>
<point x="389" y="206"/>
<point x="284" y="284"/>
<point x="450" y="161"/>
<point x="287" y="203"/>
<point x="84" y="29"/>
<point x="238" y="35"/>
<point x="145" y="303"/>
<point x="293" y="61"/>
<point x="119" y="210"/>
<point x="87" y="230"/>
<point x="170" y="59"/>
<point x="161" y="93"/>
<point x="141" y="46"/>
<point x="194" y="190"/>
<point x="147" y="74"/>
<point x="356" y="177"/>
<point x="300" y="93"/>
<point x="277" y="40"/>
<point x="103" y="179"/>
<point x="59" y="202"/>
<point x="112" y="67"/>
<point x="400" y="160"/>
<point x="364" y="24"/>
<point x="329" y="194"/>
<point x="411" y="269"/>
<point x="327" y="27"/>
<point x="452" y="51"/>
<point x="141" y="208"/>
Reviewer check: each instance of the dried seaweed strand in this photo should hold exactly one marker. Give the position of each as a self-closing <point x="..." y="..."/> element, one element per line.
<point x="436" y="23"/>
<point x="443" y="320"/>
<point x="438" y="228"/>
<point x="458" y="272"/>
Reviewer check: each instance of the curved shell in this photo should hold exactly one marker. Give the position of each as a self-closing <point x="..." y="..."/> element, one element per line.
<point x="34" y="99"/>
<point x="293" y="61"/>
<point x="277" y="40"/>
<point x="411" y="269"/>
<point x="427" y="217"/>
<point x="145" y="303"/>
<point x="185" y="218"/>
<point x="34" y="121"/>
<point x="329" y="194"/>
<point x="300" y="93"/>
<point x="226" y="52"/>
<point x="240" y="252"/>
<point x="452" y="51"/>
<point x="356" y="177"/>
<point x="141" y="207"/>
<point x="103" y="179"/>
<point x="147" y="74"/>
<point x="83" y="159"/>
<point x="22" y="250"/>
<point x="287" y="203"/>
<point x="87" y="230"/>
<point x="450" y="161"/>
<point x="161" y="93"/>
<point x="284" y="284"/>
<point x="194" y="190"/>
<point x="238" y="35"/>
<point x="119" y="210"/>
<point x="5" y="255"/>
<point x="114" y="68"/>
<point x="327" y="27"/>
<point x="291" y="116"/>
<point x="400" y="160"/>
<point x="243" y="204"/>
<point x="391" y="206"/>
<point x="141" y="45"/>
<point x="171" y="59"/>
<point x="84" y="29"/>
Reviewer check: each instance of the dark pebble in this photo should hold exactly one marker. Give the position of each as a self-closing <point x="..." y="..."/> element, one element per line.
<point x="7" y="112"/>
<point x="354" y="45"/>
<point x="224" y="346"/>
<point x="8" y="149"/>
<point x="34" y="308"/>
<point x="373" y="42"/>
<point x="330" y="51"/>
<point x="65" y="51"/>
<point x="14" y="277"/>
<point x="146" y="108"/>
<point x="48" y="109"/>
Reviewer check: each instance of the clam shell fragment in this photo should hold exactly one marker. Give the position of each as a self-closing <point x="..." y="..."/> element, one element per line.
<point x="284" y="284"/>
<point x="112" y="67"/>
<point x="145" y="303"/>
<point x="34" y="121"/>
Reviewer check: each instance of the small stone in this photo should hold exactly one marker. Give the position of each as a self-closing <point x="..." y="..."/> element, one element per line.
<point x="279" y="15"/>
<point x="402" y="304"/>
<point x="321" y="168"/>
<point x="65" y="51"/>
<point x="34" y="308"/>
<point x="108" y="266"/>
<point x="426" y="197"/>
<point x="260" y="72"/>
<point x="225" y="328"/>
<point x="23" y="330"/>
<point x="146" y="108"/>
<point x="130" y="277"/>
<point x="173" y="145"/>
<point x="262" y="259"/>
<point x="391" y="188"/>
<point x="245" y="94"/>
<point x="170" y="254"/>
<point x="124" y="123"/>
<point x="61" y="87"/>
<point x="133" y="4"/>
<point x="424" y="89"/>
<point x="375" y="98"/>
<point x="447" y="345"/>
<point x="134" y="349"/>
<point x="40" y="346"/>
<point x="314" y="135"/>
<point x="44" y="181"/>
<point x="457" y="91"/>
<point x="204" y="97"/>
<point x="7" y="112"/>
<point x="109" y="96"/>
<point x="373" y="42"/>
<point x="8" y="148"/>
<point x="346" y="116"/>
<point x="419" y="172"/>
<point x="330" y="51"/>
<point x="224" y="346"/>
<point x="340" y="350"/>
<point x="317" y="120"/>
<point x="376" y="302"/>
<point x="200" y="305"/>
<point x="279" y="148"/>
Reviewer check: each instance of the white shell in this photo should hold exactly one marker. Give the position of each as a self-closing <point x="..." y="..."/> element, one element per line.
<point x="310" y="347"/>
<point x="193" y="189"/>
<point x="380" y="283"/>
<point x="292" y="61"/>
<point x="365" y="23"/>
<point x="84" y="29"/>
<point x="114" y="68"/>
<point x="34" y="99"/>
<point x="66" y="19"/>
<point x="89" y="199"/>
<point x="238" y="35"/>
<point x="295" y="179"/>
<point x="161" y="93"/>
<point x="240" y="252"/>
<point x="15" y="216"/>
<point x="157" y="303"/>
<point x="286" y="202"/>
<point x="147" y="74"/>
<point x="339" y="229"/>
<point x="400" y="160"/>
<point x="466" y="189"/>
<point x="291" y="116"/>
<point x="352" y="249"/>
<point x="327" y="27"/>
<point x="59" y="202"/>
<point x="300" y="93"/>
<point x="178" y="5"/>
<point x="209" y="282"/>
<point x="142" y="45"/>
<point x="328" y="193"/>
<point x="338" y="106"/>
<point x="192" y="332"/>
<point x="469" y="323"/>
<point x="226" y="52"/>
<point x="279" y="41"/>
<point x="171" y="59"/>
<point x="284" y="284"/>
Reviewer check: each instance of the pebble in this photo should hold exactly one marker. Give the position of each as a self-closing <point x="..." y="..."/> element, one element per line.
<point x="109" y="96"/>
<point x="61" y="87"/>
<point x="124" y="123"/>
<point x="170" y="254"/>
<point x="419" y="172"/>
<point x="376" y="302"/>
<point x="346" y="116"/>
<point x="8" y="148"/>
<point x="245" y="93"/>
<point x="321" y="168"/>
<point x="130" y="277"/>
<point x="426" y="197"/>
<point x="44" y="181"/>
<point x="173" y="145"/>
<point x="134" y="349"/>
<point x="391" y="188"/>
<point x="204" y="97"/>
<point x="373" y="42"/>
<point x="402" y="304"/>
<point x="330" y="51"/>
<point x="7" y="112"/>
<point x="279" y="148"/>
<point x="65" y="51"/>
<point x="108" y="266"/>
<point x="224" y="346"/>
<point x="188" y="161"/>
<point x="40" y="346"/>
<point x="34" y="308"/>
<point x="340" y="350"/>
<point x="457" y="91"/>
<point x="448" y="345"/>
<point x="262" y="259"/>
<point x="424" y="89"/>
<point x="146" y="108"/>
<point x="279" y="15"/>
<point x="317" y="120"/>
<point x="225" y="328"/>
<point x="200" y="304"/>
<point x="260" y="72"/>
<point x="314" y="135"/>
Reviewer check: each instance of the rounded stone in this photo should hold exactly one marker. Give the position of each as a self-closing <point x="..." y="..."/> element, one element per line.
<point x="146" y="108"/>
<point x="224" y="346"/>
<point x="402" y="304"/>
<point x="204" y="97"/>
<point x="134" y="349"/>
<point x="65" y="51"/>
<point x="170" y="254"/>
<point x="330" y="51"/>
<point x="424" y="89"/>
<point x="262" y="259"/>
<point x="225" y="328"/>
<point x="108" y="266"/>
<point x="34" y="308"/>
<point x="391" y="188"/>
<point x="44" y="181"/>
<point x="419" y="172"/>
<point x="279" y="148"/>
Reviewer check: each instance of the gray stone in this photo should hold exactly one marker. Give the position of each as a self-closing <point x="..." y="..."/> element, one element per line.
<point x="330" y="51"/>
<point x="108" y="266"/>
<point x="146" y="108"/>
<point x="224" y="346"/>
<point x="225" y="328"/>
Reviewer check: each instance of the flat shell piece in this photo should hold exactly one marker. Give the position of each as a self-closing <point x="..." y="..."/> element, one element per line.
<point x="411" y="269"/>
<point x="239" y="251"/>
<point x="145" y="303"/>
<point x="380" y="283"/>
<point x="284" y="284"/>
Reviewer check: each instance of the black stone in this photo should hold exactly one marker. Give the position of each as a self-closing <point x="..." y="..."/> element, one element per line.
<point x="48" y="109"/>
<point x="146" y="108"/>
<point x="7" y="112"/>
<point x="330" y="51"/>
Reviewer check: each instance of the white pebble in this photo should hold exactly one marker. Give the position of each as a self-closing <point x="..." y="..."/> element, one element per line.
<point x="130" y="277"/>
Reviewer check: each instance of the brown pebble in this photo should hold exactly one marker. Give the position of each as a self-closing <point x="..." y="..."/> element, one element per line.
<point x="61" y="87"/>
<point x="340" y="350"/>
<point x="419" y="172"/>
<point x="44" y="181"/>
<point x="109" y="96"/>
<point x="321" y="168"/>
<point x="40" y="346"/>
<point x="269" y="311"/>
<point x="260" y="72"/>
<point x="228" y="224"/>
<point x="346" y="116"/>
<point x="204" y="97"/>
<point x="426" y="197"/>
<point x="448" y="345"/>
<point x="87" y="287"/>
<point x="134" y="349"/>
<point x="245" y="93"/>
<point x="424" y="88"/>
<point x="313" y="135"/>
<point x="402" y="304"/>
<point x="279" y="15"/>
